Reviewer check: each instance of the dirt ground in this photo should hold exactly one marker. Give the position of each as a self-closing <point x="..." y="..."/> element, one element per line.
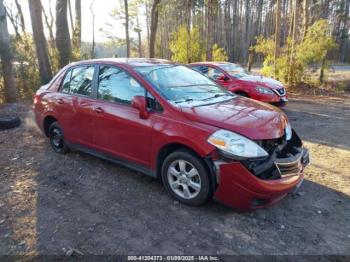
<point x="51" y="203"/>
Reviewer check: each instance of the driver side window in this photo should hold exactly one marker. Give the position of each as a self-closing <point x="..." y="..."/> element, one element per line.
<point x="211" y="72"/>
<point x="116" y="85"/>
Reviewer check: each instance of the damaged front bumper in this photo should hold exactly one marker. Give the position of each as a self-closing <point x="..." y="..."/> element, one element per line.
<point x="247" y="185"/>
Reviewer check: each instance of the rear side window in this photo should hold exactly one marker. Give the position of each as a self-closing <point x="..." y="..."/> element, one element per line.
<point x="81" y="80"/>
<point x="78" y="81"/>
<point x="116" y="85"/>
<point x="66" y="82"/>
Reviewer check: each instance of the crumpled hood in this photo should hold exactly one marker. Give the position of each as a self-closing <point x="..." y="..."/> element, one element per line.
<point x="265" y="81"/>
<point x="255" y="120"/>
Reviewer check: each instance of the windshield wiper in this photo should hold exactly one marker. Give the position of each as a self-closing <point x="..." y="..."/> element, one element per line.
<point x="215" y="96"/>
<point x="185" y="100"/>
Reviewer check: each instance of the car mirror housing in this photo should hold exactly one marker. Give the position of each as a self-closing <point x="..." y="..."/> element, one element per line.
<point x="140" y="103"/>
<point x="223" y="78"/>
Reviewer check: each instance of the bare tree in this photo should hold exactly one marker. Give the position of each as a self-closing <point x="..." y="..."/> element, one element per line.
<point x="305" y="17"/>
<point x="13" y="20"/>
<point x="40" y="41"/>
<point x="212" y="10"/>
<point x="154" y="25"/>
<point x="70" y="16"/>
<point x="93" y="29"/>
<point x="77" y="28"/>
<point x="20" y="15"/>
<point x="147" y="21"/>
<point x="138" y="31"/>
<point x="62" y="33"/>
<point x="292" y="51"/>
<point x="11" y="92"/>
<point x="127" y="39"/>
<point x="277" y="33"/>
<point x="49" y="22"/>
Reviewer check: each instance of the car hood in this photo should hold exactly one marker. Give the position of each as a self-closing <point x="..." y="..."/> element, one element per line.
<point x="261" y="80"/>
<point x="255" y="120"/>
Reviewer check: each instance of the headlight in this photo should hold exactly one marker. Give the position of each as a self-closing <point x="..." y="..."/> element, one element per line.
<point x="264" y="90"/>
<point x="236" y="145"/>
<point x="288" y="131"/>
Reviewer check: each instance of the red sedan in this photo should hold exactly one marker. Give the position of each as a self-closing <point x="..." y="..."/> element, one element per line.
<point x="237" y="80"/>
<point x="172" y="123"/>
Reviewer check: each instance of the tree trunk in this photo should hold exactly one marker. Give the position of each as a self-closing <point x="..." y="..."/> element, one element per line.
<point x="93" y="30"/>
<point x="323" y="67"/>
<point x="77" y="30"/>
<point x="188" y="28"/>
<point x="49" y="25"/>
<point x="154" y="25"/>
<point x="21" y="16"/>
<point x="70" y="16"/>
<point x="40" y="41"/>
<point x="11" y="92"/>
<point x="147" y="23"/>
<point x="292" y="51"/>
<point x="305" y="17"/>
<point x="127" y="39"/>
<point x="212" y="6"/>
<point x="250" y="61"/>
<point x="246" y="31"/>
<point x="138" y="31"/>
<point x="62" y="33"/>
<point x="277" y="34"/>
<point x="227" y="29"/>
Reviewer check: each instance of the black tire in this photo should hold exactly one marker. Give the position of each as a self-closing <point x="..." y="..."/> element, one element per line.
<point x="242" y="94"/>
<point x="57" y="139"/>
<point x="187" y="156"/>
<point x="7" y="122"/>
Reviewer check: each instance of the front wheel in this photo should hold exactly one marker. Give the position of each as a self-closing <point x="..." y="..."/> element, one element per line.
<point x="242" y="94"/>
<point x="185" y="178"/>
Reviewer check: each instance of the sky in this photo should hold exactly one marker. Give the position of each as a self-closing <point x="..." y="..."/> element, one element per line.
<point x="102" y="9"/>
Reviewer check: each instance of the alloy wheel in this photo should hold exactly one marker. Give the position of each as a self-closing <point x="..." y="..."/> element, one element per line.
<point x="57" y="138"/>
<point x="184" y="179"/>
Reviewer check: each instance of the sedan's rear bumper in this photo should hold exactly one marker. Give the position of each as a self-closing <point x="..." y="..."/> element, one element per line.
<point x="240" y="189"/>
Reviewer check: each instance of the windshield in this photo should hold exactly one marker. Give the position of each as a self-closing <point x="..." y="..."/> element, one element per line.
<point x="180" y="84"/>
<point x="234" y="70"/>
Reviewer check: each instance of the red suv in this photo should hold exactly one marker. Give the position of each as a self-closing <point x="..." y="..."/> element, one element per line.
<point x="237" y="80"/>
<point x="170" y="122"/>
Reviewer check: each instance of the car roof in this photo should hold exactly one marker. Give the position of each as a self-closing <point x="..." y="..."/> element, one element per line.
<point x="127" y="61"/>
<point x="214" y="63"/>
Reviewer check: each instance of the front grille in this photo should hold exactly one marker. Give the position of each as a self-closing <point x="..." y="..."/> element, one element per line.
<point x="285" y="157"/>
<point x="289" y="168"/>
<point x="280" y="92"/>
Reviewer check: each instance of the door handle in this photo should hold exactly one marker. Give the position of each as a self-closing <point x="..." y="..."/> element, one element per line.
<point x="60" y="101"/>
<point x="99" y="110"/>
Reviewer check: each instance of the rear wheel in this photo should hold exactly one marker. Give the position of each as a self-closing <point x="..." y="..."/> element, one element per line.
<point x="186" y="178"/>
<point x="57" y="139"/>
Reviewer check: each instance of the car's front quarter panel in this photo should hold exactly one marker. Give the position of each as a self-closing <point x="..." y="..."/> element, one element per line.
<point x="169" y="130"/>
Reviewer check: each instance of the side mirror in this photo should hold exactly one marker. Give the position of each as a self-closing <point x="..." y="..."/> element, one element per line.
<point x="140" y="103"/>
<point x="223" y="78"/>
